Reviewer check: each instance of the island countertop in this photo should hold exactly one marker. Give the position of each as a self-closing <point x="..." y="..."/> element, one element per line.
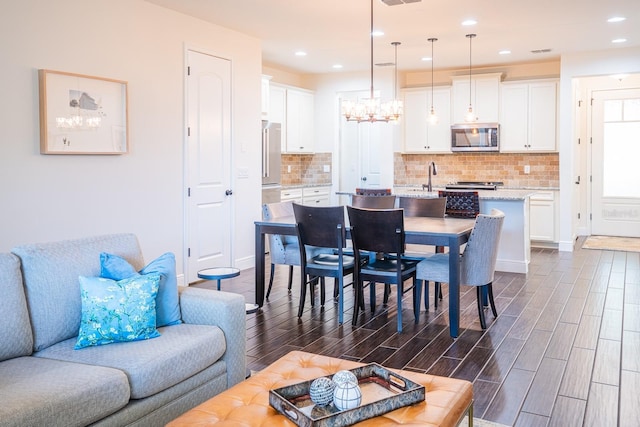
<point x="501" y="194"/>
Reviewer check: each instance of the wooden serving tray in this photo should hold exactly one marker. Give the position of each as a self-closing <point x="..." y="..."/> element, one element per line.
<point x="382" y="391"/>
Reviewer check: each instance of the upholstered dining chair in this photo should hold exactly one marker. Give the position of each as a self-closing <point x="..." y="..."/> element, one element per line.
<point x="283" y="249"/>
<point x="322" y="228"/>
<point x="432" y="207"/>
<point x="373" y="202"/>
<point x="461" y="204"/>
<point x="379" y="235"/>
<point x="477" y="262"/>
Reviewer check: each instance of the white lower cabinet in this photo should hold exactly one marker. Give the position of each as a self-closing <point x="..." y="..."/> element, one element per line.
<point x="543" y="213"/>
<point x="316" y="196"/>
<point x="292" y="195"/>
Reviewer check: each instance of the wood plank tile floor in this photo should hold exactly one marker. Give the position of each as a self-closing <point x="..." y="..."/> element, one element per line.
<point x="564" y="350"/>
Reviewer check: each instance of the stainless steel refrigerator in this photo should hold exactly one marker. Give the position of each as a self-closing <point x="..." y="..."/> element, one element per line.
<point x="271" y="162"/>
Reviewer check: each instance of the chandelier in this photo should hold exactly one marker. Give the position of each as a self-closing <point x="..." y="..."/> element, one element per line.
<point x="370" y="110"/>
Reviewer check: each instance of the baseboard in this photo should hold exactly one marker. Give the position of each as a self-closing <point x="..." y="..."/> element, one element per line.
<point x="512" y="266"/>
<point x="245" y="263"/>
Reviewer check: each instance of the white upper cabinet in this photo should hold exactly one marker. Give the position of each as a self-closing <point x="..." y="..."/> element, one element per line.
<point x="418" y="135"/>
<point x="528" y="116"/>
<point x="485" y="97"/>
<point x="299" y="127"/>
<point x="294" y="109"/>
<point x="265" y="97"/>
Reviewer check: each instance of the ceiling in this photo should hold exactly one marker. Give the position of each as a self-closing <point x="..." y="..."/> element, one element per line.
<point x="337" y="31"/>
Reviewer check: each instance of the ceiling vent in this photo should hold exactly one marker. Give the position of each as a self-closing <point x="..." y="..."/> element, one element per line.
<point x="397" y="2"/>
<point x="541" y="51"/>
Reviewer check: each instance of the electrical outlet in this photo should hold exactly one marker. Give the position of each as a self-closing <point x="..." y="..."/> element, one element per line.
<point x="289" y="169"/>
<point x="527" y="169"/>
<point x="327" y="168"/>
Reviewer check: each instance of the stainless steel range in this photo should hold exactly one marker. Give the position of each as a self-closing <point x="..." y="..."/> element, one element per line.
<point x="474" y="185"/>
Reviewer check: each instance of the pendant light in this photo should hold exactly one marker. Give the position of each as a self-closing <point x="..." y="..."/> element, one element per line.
<point x="433" y="117"/>
<point x="368" y="109"/>
<point x="470" y="116"/>
<point x="392" y="110"/>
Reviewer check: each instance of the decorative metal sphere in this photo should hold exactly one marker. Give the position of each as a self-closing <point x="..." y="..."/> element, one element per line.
<point x="343" y="376"/>
<point x="321" y="391"/>
<point x="347" y="395"/>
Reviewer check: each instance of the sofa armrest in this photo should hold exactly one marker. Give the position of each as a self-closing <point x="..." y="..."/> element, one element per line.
<point x="225" y="310"/>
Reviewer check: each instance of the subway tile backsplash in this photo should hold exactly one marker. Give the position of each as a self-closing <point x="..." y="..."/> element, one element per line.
<point x="412" y="169"/>
<point x="306" y="169"/>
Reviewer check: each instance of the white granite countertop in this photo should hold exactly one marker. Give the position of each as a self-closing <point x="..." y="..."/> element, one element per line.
<point x="501" y="194"/>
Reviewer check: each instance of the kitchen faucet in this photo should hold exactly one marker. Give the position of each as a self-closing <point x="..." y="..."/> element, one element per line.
<point x="434" y="171"/>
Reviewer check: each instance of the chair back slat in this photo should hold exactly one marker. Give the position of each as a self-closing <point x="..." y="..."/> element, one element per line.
<point x="373" y="202"/>
<point x="433" y="207"/>
<point x="320" y="226"/>
<point x="377" y="230"/>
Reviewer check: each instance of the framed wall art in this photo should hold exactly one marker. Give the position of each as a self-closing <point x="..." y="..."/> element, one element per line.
<point x="82" y="114"/>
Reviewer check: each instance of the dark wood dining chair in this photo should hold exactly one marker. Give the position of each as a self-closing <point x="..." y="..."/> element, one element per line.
<point x="322" y="230"/>
<point x="477" y="262"/>
<point x="432" y="207"/>
<point x="379" y="235"/>
<point x="373" y="202"/>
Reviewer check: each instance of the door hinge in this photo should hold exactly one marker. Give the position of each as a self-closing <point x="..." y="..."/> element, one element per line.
<point x="579" y="103"/>
<point x="590" y="178"/>
<point x="591" y="216"/>
<point x="590" y="140"/>
<point x="188" y="70"/>
<point x="188" y="252"/>
<point x="189" y="192"/>
<point x="578" y="215"/>
<point x="592" y="101"/>
<point x="578" y="141"/>
<point x="188" y="131"/>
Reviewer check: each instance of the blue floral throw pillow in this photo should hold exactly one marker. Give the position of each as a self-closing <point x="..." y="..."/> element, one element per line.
<point x="167" y="302"/>
<point x="117" y="311"/>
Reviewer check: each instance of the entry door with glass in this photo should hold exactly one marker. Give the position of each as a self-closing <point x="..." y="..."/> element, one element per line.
<point x="615" y="163"/>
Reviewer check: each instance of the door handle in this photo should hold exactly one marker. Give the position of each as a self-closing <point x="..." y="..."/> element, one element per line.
<point x="364" y="178"/>
<point x="228" y="192"/>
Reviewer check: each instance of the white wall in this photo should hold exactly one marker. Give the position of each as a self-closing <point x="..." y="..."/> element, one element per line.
<point x="49" y="197"/>
<point x="574" y="67"/>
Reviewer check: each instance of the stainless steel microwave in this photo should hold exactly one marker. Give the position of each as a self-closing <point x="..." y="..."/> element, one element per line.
<point x="475" y="137"/>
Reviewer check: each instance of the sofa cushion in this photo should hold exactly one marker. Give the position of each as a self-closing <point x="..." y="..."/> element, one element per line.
<point x="167" y="303"/>
<point x="16" y="338"/>
<point x="36" y="391"/>
<point x="117" y="311"/>
<point x="51" y="271"/>
<point x="152" y="365"/>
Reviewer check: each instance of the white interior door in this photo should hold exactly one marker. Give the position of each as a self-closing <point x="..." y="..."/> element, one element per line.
<point x="208" y="173"/>
<point x="615" y="167"/>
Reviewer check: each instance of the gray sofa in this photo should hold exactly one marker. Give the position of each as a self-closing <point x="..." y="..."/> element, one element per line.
<point x="44" y="381"/>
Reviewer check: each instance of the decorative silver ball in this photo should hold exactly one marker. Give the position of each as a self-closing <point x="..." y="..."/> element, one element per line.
<point x="347" y="395"/>
<point x="321" y="391"/>
<point x="344" y="376"/>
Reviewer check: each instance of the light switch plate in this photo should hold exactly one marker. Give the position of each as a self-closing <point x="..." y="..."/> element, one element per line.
<point x="527" y="169"/>
<point x="327" y="168"/>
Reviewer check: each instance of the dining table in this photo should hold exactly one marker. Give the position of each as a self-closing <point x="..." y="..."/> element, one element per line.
<point x="447" y="231"/>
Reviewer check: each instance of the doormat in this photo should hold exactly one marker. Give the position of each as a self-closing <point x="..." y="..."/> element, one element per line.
<point x="477" y="422"/>
<point x="609" y="243"/>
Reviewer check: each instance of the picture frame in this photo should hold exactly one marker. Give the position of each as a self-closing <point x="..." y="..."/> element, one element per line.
<point x="82" y="114"/>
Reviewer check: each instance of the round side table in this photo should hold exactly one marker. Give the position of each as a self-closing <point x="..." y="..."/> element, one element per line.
<point x="219" y="273"/>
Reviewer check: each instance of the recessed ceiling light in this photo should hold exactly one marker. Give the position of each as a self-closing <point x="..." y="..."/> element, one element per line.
<point x="620" y="40"/>
<point x="377" y="33"/>
<point x="616" y="19"/>
<point x="426" y="58"/>
<point x="301" y="53"/>
<point x="337" y="66"/>
<point x="505" y="52"/>
<point x="469" y="22"/>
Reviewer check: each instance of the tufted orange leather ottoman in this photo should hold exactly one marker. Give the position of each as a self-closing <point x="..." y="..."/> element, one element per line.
<point x="247" y="403"/>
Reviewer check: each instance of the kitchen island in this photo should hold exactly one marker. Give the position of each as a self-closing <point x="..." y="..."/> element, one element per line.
<point x="514" y="250"/>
